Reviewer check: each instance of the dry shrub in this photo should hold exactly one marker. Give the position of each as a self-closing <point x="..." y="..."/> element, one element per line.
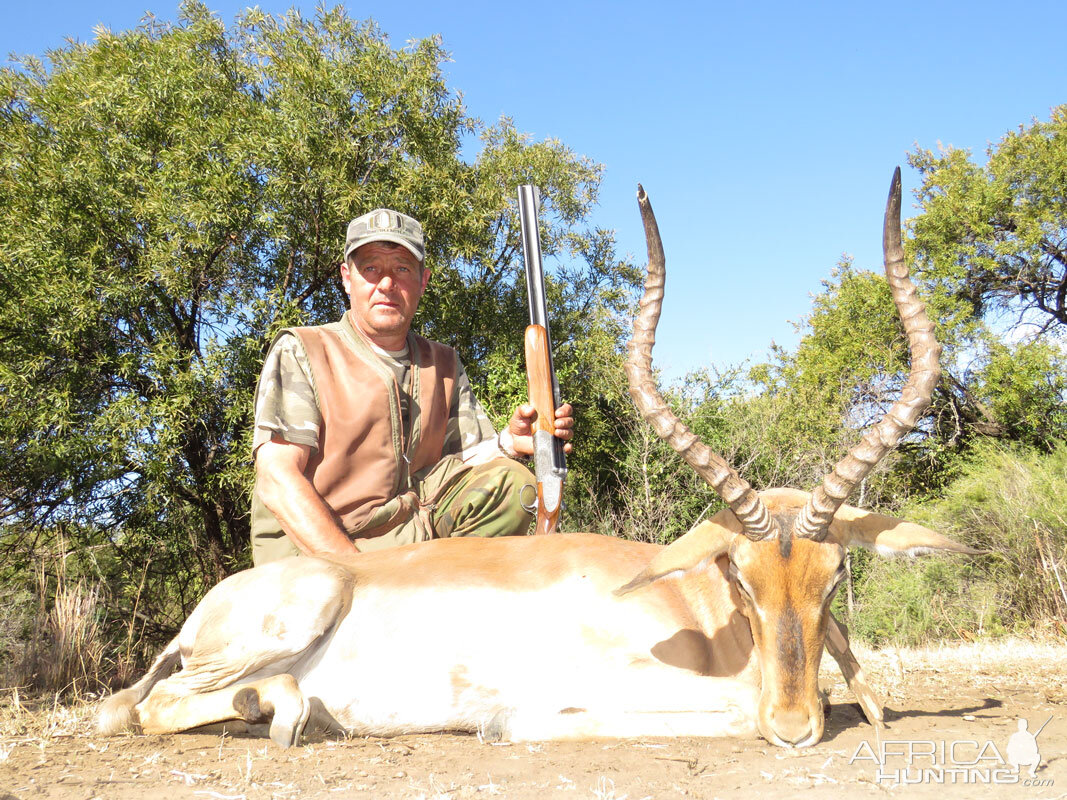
<point x="75" y="638"/>
<point x="657" y="497"/>
<point x="65" y="652"/>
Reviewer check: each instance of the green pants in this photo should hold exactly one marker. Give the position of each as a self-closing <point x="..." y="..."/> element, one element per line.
<point x="491" y="499"/>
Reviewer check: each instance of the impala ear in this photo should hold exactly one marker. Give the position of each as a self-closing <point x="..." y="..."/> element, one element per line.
<point x="890" y="536"/>
<point x="695" y="550"/>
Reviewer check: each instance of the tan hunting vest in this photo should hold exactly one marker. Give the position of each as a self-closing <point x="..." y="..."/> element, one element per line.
<point x="365" y="460"/>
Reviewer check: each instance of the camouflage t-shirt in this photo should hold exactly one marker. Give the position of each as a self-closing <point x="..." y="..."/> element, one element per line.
<point x="286" y="407"/>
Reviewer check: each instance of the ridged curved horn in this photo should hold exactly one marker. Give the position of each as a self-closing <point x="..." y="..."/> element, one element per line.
<point x="739" y="496"/>
<point x="814" y="519"/>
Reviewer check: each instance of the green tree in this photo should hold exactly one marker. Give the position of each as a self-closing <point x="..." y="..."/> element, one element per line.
<point x="993" y="237"/>
<point x="173" y="195"/>
<point x="1024" y="385"/>
<point x="812" y="404"/>
<point x="991" y="248"/>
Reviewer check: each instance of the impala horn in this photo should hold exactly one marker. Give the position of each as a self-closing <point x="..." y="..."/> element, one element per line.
<point x="813" y="521"/>
<point x="731" y="487"/>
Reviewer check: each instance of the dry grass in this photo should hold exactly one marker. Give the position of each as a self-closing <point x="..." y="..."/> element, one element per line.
<point x="44" y="718"/>
<point x="70" y="656"/>
<point x="999" y="656"/>
<point x="65" y="649"/>
<point x="990" y="664"/>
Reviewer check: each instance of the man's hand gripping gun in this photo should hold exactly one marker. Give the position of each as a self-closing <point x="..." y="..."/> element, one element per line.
<point x="550" y="463"/>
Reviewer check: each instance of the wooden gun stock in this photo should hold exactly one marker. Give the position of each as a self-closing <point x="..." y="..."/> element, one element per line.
<point x="539" y="382"/>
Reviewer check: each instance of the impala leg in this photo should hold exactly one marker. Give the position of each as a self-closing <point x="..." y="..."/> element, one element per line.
<point x="837" y="646"/>
<point x="277" y="700"/>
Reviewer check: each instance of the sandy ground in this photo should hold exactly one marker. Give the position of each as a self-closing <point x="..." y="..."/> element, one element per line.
<point x="955" y="708"/>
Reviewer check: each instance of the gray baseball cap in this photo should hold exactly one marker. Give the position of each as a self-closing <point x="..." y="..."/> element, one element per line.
<point x="385" y="225"/>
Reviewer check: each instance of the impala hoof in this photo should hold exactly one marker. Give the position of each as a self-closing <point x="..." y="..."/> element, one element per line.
<point x="289" y="720"/>
<point x="496" y="729"/>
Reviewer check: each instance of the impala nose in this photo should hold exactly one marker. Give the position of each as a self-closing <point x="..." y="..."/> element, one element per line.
<point x="792" y="727"/>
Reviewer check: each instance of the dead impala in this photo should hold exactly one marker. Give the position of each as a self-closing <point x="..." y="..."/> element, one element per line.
<point x="560" y="637"/>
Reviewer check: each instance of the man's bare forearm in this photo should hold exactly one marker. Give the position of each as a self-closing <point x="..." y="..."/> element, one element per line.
<point x="299" y="508"/>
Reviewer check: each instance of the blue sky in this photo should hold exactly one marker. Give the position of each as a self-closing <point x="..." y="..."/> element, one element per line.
<point x="764" y="132"/>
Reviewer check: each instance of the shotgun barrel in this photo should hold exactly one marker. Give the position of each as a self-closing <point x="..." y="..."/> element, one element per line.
<point x="550" y="462"/>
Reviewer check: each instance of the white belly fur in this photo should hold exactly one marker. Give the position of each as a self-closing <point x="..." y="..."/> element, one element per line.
<point x="433" y="661"/>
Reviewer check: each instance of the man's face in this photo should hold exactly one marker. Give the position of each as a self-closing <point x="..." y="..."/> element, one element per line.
<point x="384" y="283"/>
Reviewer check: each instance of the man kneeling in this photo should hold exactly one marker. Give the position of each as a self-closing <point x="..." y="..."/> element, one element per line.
<point x="368" y="435"/>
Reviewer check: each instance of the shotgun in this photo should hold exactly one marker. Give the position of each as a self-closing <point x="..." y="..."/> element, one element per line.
<point x="550" y="463"/>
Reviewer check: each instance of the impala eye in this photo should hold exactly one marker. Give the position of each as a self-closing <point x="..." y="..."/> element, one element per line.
<point x="836" y="582"/>
<point x="735" y="579"/>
